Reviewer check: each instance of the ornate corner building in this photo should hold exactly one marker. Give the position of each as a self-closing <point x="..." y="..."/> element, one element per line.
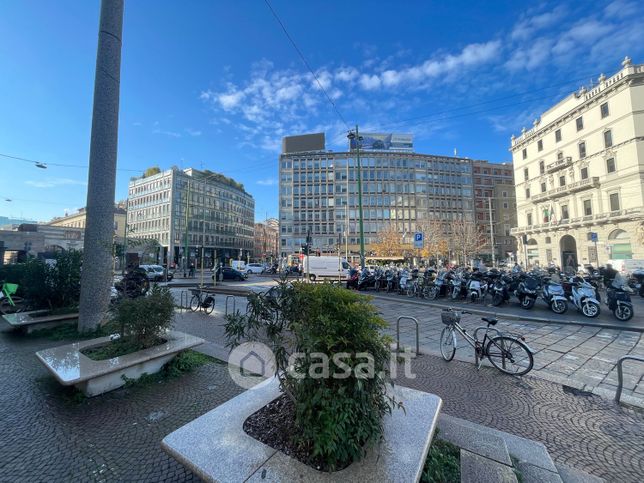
<point x="579" y="176"/>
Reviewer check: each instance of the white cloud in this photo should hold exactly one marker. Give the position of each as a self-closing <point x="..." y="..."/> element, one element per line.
<point x="528" y="26"/>
<point x="267" y="182"/>
<point x="370" y="82"/>
<point x="193" y="132"/>
<point x="530" y="57"/>
<point x="54" y="182"/>
<point x="230" y="100"/>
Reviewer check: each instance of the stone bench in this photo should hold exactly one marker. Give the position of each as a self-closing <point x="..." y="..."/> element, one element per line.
<point x="216" y="448"/>
<point x="37" y="319"/>
<point x="70" y="367"/>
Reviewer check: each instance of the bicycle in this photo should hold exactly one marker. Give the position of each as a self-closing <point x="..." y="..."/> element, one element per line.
<point x="509" y="354"/>
<point x="9" y="302"/>
<point x="199" y="302"/>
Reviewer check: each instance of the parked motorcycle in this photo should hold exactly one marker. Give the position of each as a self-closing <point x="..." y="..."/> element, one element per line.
<point x="553" y="294"/>
<point x="366" y="280"/>
<point x="528" y="291"/>
<point x="618" y="299"/>
<point x="583" y="296"/>
<point x="352" y="279"/>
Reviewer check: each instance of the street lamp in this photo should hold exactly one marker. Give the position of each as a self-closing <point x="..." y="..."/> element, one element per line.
<point x="357" y="138"/>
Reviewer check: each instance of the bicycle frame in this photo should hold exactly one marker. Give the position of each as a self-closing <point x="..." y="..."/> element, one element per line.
<point x="474" y="340"/>
<point x="4" y="294"/>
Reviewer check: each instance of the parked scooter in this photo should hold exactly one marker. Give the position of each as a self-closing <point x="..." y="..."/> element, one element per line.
<point x="553" y="294"/>
<point x="618" y="299"/>
<point x="404" y="280"/>
<point x="352" y="279"/>
<point x="582" y="295"/>
<point x="528" y="291"/>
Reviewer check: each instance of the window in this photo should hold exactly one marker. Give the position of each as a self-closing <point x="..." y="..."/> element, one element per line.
<point x="505" y="205"/>
<point x="527" y="193"/>
<point x="543" y="187"/>
<point x="562" y="180"/>
<point x="604" y="110"/>
<point x="558" y="135"/>
<point x="584" y="173"/>
<point x="614" y="201"/>
<point x="542" y="167"/>
<point x="529" y="219"/>
<point x="548" y="240"/>
<point x="539" y="145"/>
<point x="580" y="123"/>
<point x="610" y="165"/>
<point x="564" y="212"/>
<point x="559" y="156"/>
<point x="526" y="175"/>
<point x="608" y="138"/>
<point x="588" y="208"/>
<point x="525" y="153"/>
<point x="582" y="150"/>
<point x="504" y="194"/>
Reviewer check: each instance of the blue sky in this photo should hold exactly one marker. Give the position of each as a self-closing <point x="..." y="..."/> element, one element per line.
<point x="216" y="84"/>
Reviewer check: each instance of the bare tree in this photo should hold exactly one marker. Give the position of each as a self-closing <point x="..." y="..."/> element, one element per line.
<point x="467" y="238"/>
<point x="436" y="238"/>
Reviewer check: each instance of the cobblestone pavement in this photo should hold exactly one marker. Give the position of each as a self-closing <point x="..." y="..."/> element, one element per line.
<point x="46" y="436"/>
<point x="578" y="428"/>
<point x="581" y="357"/>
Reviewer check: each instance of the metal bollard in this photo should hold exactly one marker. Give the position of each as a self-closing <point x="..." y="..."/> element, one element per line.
<point x="228" y="297"/>
<point x="620" y="373"/>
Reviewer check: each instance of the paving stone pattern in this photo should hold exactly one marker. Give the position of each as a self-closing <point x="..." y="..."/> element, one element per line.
<point x="581" y="357"/>
<point x="45" y="436"/>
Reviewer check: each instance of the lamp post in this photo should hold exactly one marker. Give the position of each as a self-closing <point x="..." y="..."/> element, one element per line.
<point x="356" y="136"/>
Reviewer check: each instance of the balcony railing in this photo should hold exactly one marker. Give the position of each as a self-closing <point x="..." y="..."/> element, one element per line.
<point x="559" y="164"/>
<point x="567" y="189"/>
<point x="580" y="220"/>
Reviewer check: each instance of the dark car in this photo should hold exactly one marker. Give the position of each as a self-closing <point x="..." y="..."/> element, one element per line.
<point x="230" y="273"/>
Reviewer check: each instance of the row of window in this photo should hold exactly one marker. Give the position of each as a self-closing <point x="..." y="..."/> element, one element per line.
<point x="370" y="162"/>
<point x="587" y="210"/>
<point x="579" y="124"/>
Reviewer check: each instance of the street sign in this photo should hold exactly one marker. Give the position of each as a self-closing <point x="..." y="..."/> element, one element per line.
<point x="593" y="236"/>
<point x="418" y="239"/>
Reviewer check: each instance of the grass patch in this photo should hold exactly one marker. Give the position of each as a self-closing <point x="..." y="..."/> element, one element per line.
<point x="443" y="463"/>
<point x="187" y="361"/>
<point x="515" y="468"/>
<point x="116" y="348"/>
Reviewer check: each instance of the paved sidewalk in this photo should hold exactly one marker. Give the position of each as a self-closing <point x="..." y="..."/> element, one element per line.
<point x="580" y="357"/>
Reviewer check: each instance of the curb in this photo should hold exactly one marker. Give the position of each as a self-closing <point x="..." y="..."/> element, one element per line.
<point x="501" y="315"/>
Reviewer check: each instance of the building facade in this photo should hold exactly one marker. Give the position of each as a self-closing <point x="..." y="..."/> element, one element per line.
<point x="319" y="192"/>
<point x="77" y="220"/>
<point x="494" y="198"/>
<point x="187" y="210"/>
<point x="266" y="241"/>
<point x="579" y="176"/>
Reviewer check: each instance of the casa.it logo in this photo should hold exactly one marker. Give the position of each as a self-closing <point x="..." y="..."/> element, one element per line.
<point x="250" y="363"/>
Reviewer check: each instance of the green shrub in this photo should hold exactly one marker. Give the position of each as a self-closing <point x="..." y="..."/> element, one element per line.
<point x="52" y="285"/>
<point x="443" y="463"/>
<point x="143" y="320"/>
<point x="337" y="418"/>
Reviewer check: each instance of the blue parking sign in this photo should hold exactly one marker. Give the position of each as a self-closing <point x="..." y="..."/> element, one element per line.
<point x="418" y="239"/>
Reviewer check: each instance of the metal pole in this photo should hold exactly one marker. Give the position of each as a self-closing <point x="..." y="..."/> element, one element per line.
<point x="97" y="276"/>
<point x="127" y="214"/>
<point x="489" y="200"/>
<point x="360" y="198"/>
<point x="203" y="239"/>
<point x="346" y="219"/>
<point x="185" y="246"/>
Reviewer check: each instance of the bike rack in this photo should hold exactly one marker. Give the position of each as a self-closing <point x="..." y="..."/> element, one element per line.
<point x="185" y="306"/>
<point x="228" y="297"/>
<point x="620" y="374"/>
<point x="415" y="320"/>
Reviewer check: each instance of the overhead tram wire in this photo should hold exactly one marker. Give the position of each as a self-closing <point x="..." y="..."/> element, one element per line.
<point x="304" y="61"/>
<point x="59" y="165"/>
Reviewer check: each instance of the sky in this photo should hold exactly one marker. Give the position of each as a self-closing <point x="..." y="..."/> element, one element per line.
<point x="217" y="84"/>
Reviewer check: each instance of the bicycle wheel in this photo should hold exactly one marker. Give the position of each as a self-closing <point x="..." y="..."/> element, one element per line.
<point x="448" y="343"/>
<point x="195" y="303"/>
<point x="509" y="355"/>
<point x="209" y="304"/>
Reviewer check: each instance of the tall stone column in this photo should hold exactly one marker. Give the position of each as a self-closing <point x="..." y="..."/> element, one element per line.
<point x="96" y="278"/>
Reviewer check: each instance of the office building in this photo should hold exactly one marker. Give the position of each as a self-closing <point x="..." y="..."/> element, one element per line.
<point x="319" y="191"/>
<point x="194" y="209"/>
<point x="579" y="175"/>
<point x="78" y="219"/>
<point x="494" y="198"/>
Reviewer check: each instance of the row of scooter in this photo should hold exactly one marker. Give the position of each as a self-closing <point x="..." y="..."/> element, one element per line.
<point x="558" y="290"/>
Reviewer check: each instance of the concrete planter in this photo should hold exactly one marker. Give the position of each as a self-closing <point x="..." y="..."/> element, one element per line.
<point x="37" y="319"/>
<point x="70" y="367"/>
<point x="216" y="448"/>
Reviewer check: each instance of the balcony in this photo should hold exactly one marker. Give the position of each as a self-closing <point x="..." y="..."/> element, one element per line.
<point x="566" y="190"/>
<point x="559" y="164"/>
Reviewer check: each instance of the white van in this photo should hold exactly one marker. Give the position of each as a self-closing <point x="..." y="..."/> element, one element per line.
<point x="325" y="267"/>
<point x="239" y="265"/>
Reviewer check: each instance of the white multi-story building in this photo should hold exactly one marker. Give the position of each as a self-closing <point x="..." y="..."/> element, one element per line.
<point x="579" y="176"/>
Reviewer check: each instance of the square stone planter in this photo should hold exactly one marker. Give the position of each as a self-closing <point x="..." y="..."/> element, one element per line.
<point x="70" y="367"/>
<point x="216" y="447"/>
<point x="37" y="319"/>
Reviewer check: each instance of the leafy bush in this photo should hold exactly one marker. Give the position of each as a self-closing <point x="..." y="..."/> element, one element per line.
<point x="337" y="418"/>
<point x="442" y="464"/>
<point x="52" y="285"/>
<point x="143" y="320"/>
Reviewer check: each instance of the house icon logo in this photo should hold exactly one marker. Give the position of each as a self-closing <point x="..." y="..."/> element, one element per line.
<point x="250" y="363"/>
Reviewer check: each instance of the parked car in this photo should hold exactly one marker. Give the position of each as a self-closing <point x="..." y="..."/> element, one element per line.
<point x="156" y="273"/>
<point x="255" y="268"/>
<point x="230" y="273"/>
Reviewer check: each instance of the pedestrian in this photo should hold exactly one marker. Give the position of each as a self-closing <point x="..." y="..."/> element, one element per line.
<point x="191" y="272"/>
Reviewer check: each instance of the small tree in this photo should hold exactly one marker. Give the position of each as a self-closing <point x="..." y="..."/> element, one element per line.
<point x="389" y="242"/>
<point x="53" y="285"/>
<point x="467" y="238"/>
<point x="337" y="418"/>
<point x="151" y="171"/>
